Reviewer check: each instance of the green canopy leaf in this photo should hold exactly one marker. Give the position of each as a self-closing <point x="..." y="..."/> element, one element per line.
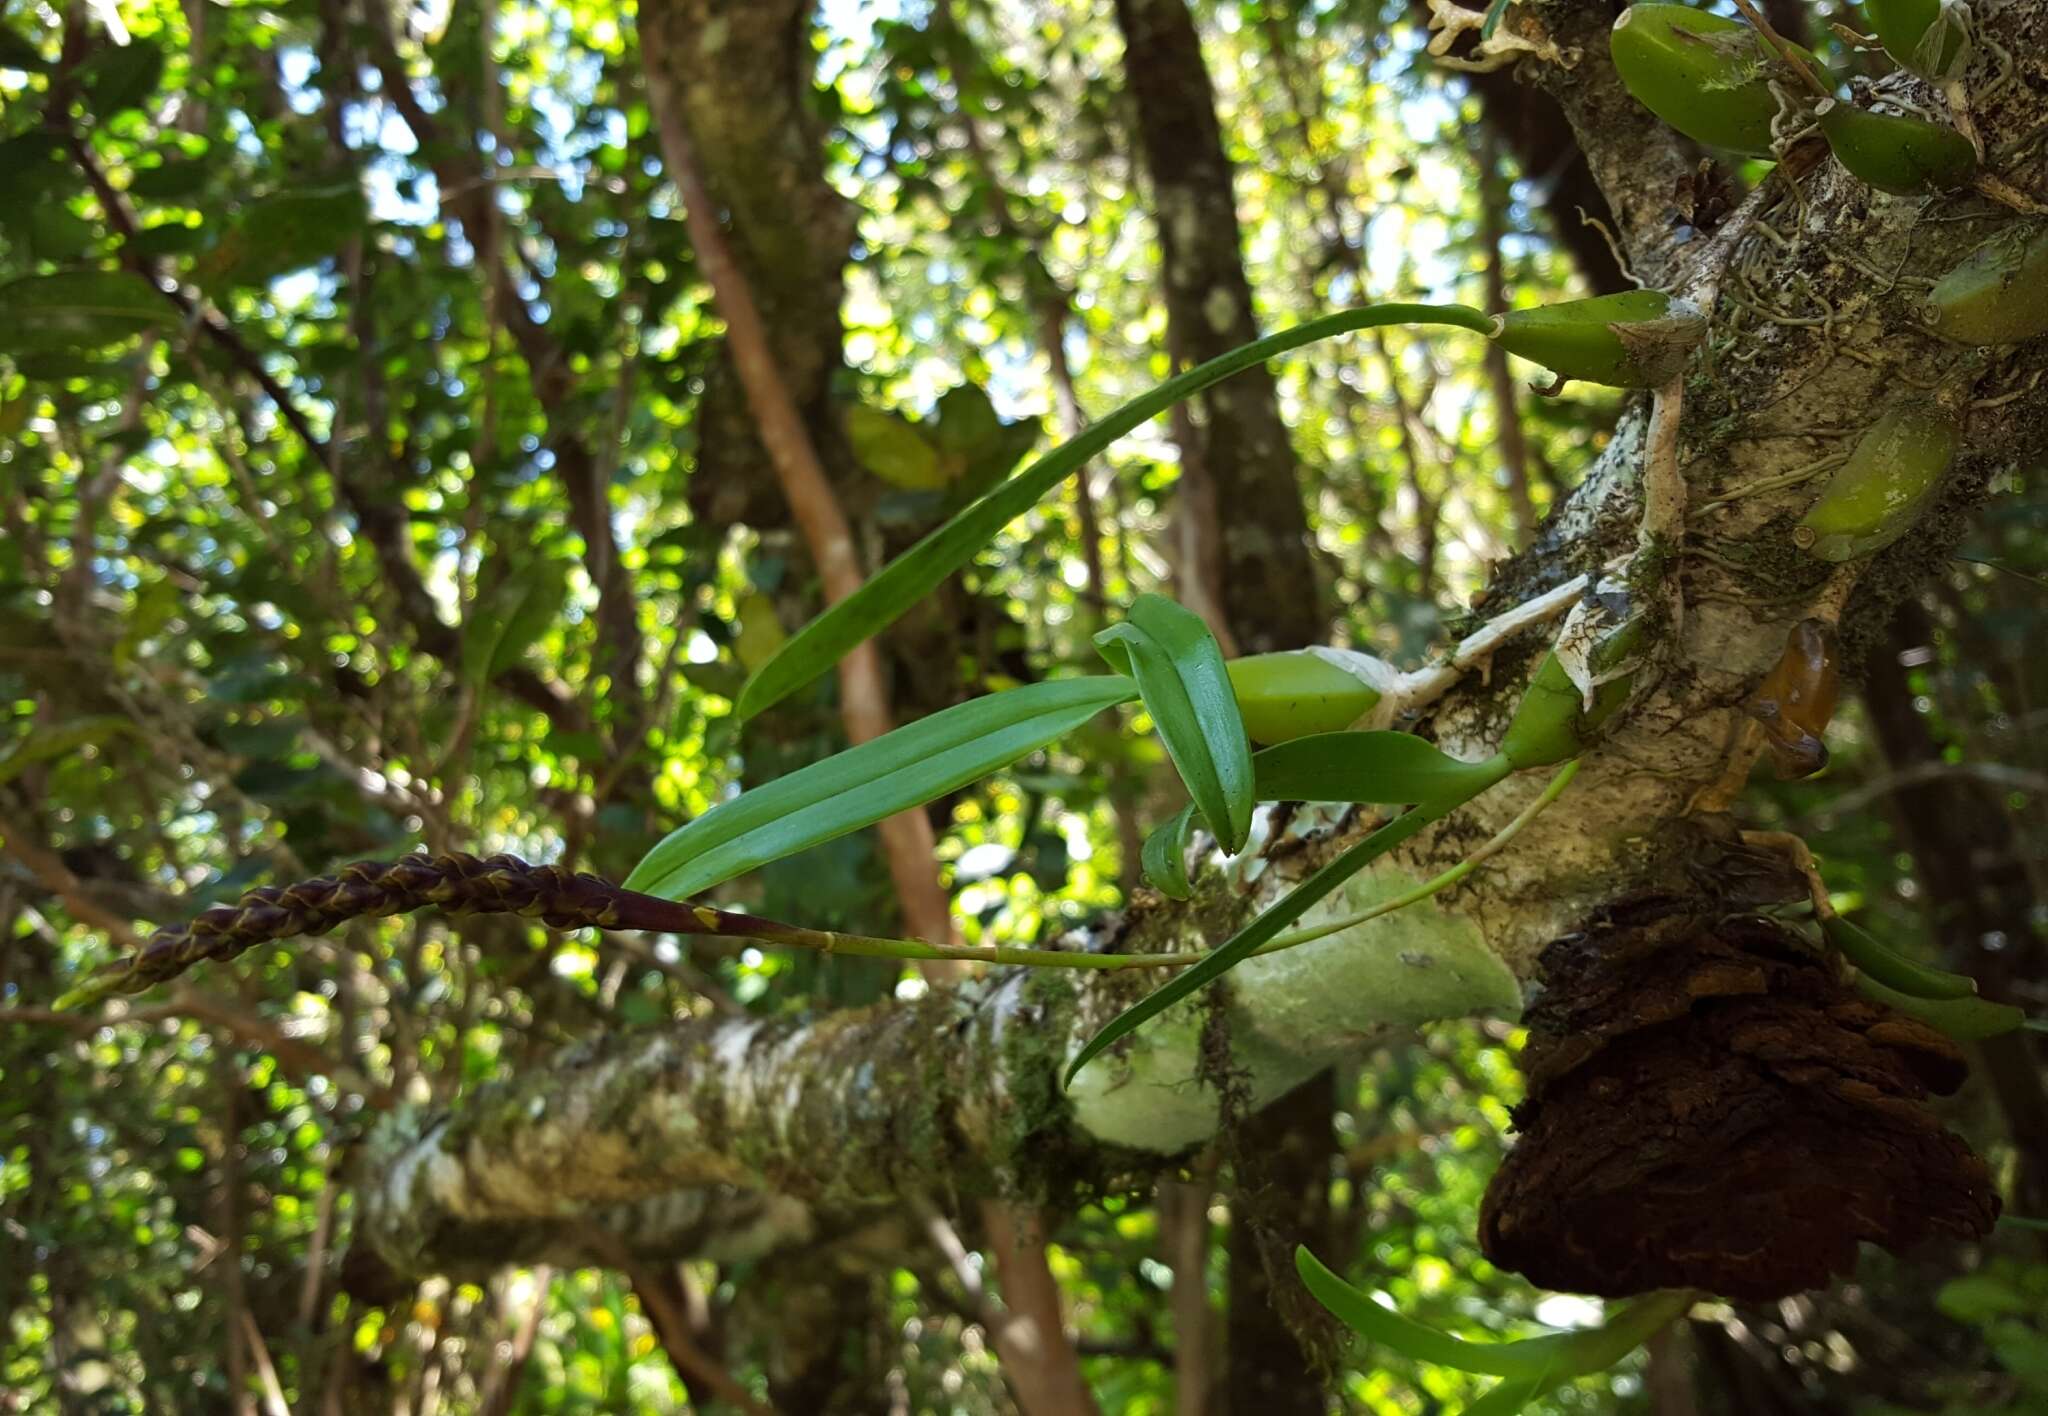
<point x="1180" y="674"/>
<point x="122" y="76"/>
<point x="283" y="233"/>
<point x="894" y="449"/>
<point x="860" y="786"/>
<point x="59" y="739"/>
<point x="77" y="310"/>
<point x="510" y="619"/>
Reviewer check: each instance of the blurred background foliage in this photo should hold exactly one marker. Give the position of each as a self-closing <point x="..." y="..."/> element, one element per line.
<point x="413" y="518"/>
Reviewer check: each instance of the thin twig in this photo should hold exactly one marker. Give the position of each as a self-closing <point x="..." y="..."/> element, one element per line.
<point x="56" y="877"/>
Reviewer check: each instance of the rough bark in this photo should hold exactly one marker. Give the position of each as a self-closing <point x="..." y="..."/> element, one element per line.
<point x="750" y="1134"/>
<point x="1245" y="460"/>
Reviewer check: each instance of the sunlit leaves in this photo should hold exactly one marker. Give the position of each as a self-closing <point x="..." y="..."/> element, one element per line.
<point x="514" y="615"/>
<point x="46" y="743"/>
<point x="282" y="233"/>
<point x="77" y="310"/>
<point x="863" y="784"/>
<point x="121" y="76"/>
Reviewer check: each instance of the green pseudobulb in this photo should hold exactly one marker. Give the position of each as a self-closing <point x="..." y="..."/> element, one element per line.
<point x="1904" y="156"/>
<point x="1637" y="339"/>
<point x="1999" y="294"/>
<point x="1893" y="472"/>
<point x="1706" y="76"/>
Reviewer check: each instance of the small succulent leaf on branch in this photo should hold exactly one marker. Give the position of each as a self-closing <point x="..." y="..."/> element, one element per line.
<point x="1636" y="339"/>
<point x="1998" y="294"/>
<point x="1181" y="677"/>
<point x="1901" y="155"/>
<point x="1930" y="38"/>
<point x="1705" y="75"/>
<point x="1798" y="60"/>
<point x="1164" y="857"/>
<point x="1296" y="692"/>
<point x="917" y="572"/>
<point x="899" y="770"/>
<point x="1893" y="474"/>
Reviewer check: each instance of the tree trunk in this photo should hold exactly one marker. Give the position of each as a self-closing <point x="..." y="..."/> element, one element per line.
<point x="1245" y="460"/>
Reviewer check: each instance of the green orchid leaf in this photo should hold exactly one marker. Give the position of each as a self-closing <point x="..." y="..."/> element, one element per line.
<point x="863" y="784"/>
<point x="1384" y="767"/>
<point x="1547" y="1361"/>
<point x="917" y="572"/>
<point x="1165" y="855"/>
<point x="1179" y="668"/>
<point x="1525" y="1360"/>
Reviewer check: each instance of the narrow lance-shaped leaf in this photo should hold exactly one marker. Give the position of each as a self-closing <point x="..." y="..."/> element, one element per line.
<point x="860" y="786"/>
<point x="1384" y="767"/>
<point x="1553" y="1357"/>
<point x="1186" y="689"/>
<point x="918" y="571"/>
